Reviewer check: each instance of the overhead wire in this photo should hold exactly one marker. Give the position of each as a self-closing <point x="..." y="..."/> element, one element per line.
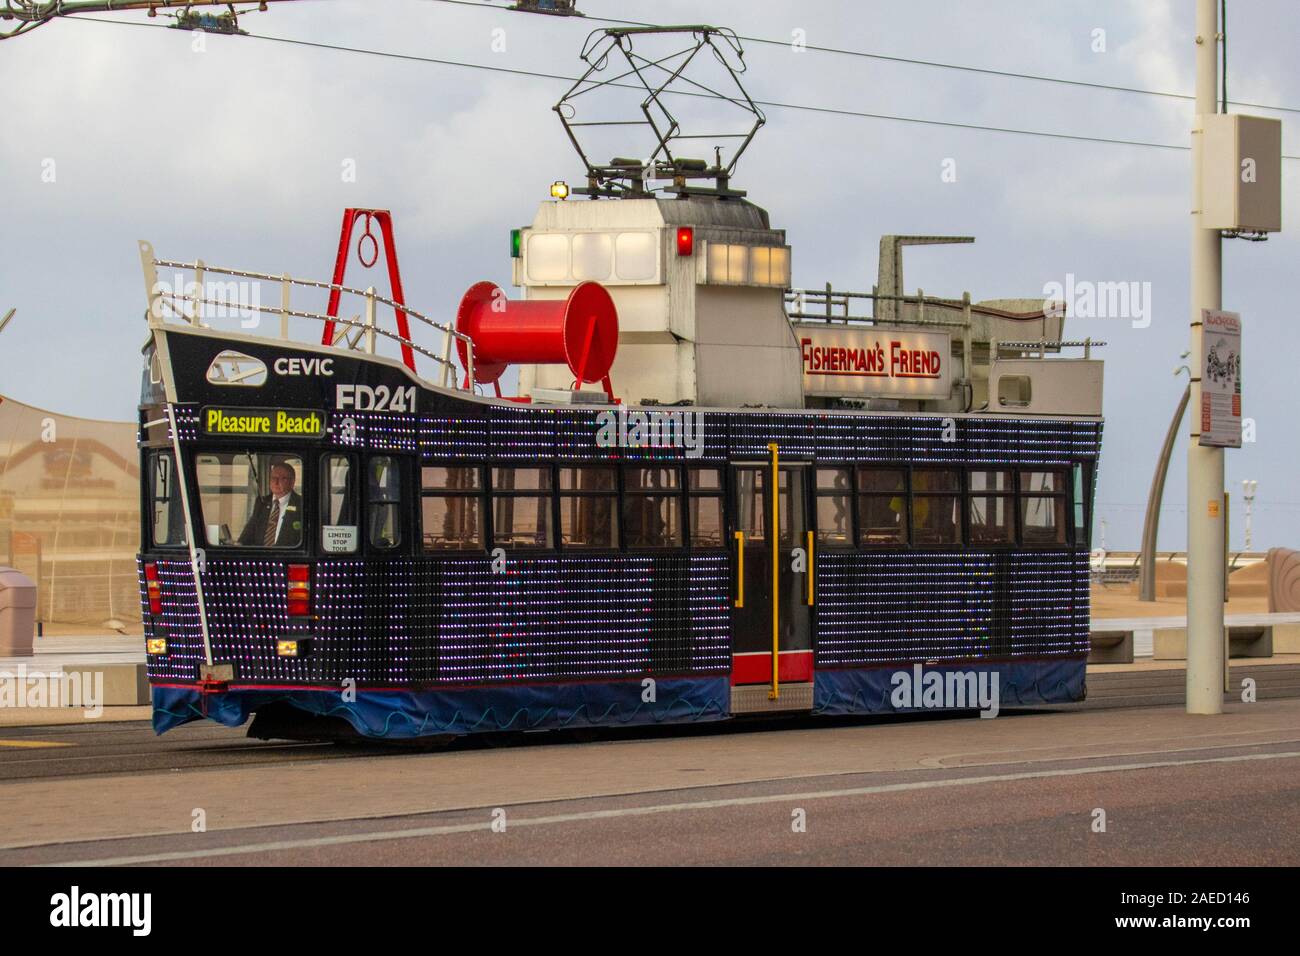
<point x="804" y="107"/>
<point x="935" y="64"/>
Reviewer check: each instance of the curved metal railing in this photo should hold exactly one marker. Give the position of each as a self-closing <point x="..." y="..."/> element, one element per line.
<point x="363" y="331"/>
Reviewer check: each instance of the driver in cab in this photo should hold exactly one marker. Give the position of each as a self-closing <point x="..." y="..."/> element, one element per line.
<point x="277" y="517"/>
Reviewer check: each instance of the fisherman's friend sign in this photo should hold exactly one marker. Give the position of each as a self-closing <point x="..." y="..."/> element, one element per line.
<point x="1220" y="379"/>
<point x="875" y="362"/>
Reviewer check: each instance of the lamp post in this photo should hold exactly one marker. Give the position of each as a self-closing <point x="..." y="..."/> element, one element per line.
<point x="1206" y="574"/>
<point x="1151" y="526"/>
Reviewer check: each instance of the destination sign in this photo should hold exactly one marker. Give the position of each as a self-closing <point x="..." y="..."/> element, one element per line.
<point x="263" y="422"/>
<point x="875" y="361"/>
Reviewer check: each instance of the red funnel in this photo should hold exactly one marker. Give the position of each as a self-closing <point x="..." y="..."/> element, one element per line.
<point x="580" y="331"/>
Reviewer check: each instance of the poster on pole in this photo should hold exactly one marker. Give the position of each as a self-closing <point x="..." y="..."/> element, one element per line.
<point x="1220" y="379"/>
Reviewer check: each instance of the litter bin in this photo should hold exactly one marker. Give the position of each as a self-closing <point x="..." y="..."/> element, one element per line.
<point x="17" y="613"/>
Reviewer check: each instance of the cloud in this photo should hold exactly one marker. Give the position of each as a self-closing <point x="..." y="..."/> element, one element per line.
<point x="236" y="154"/>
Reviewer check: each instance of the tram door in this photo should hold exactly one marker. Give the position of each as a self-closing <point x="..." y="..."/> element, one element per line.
<point x="753" y="607"/>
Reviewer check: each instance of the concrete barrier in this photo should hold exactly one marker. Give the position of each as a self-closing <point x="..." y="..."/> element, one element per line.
<point x="1250" y="640"/>
<point x="69" y="685"/>
<point x="17" y="613"/>
<point x="125" y="685"/>
<point x="1111" y="647"/>
<point x="1169" y="643"/>
<point x="1244" y="640"/>
<point x="1286" y="638"/>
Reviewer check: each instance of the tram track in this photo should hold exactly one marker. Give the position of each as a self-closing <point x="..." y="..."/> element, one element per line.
<point x="93" y="749"/>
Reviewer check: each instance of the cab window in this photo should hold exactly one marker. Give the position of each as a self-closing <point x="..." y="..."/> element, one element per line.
<point x="251" y="499"/>
<point x="165" y="502"/>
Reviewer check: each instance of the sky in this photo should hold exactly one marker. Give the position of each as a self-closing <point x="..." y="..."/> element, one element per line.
<point x="235" y="151"/>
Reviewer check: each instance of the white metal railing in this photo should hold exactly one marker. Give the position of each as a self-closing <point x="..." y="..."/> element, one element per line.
<point x="832" y="306"/>
<point x="1042" y="345"/>
<point x="353" y="332"/>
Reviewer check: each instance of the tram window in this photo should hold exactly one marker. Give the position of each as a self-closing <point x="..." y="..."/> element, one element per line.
<point x="338" y="505"/>
<point x="521" y="479"/>
<point x="588" y="512"/>
<point x="521" y="518"/>
<point x="588" y="479"/>
<point x="704" y="480"/>
<point x="651" y="479"/>
<point x="704" y="486"/>
<point x="882" y="506"/>
<point x="1042" y="482"/>
<point x="936" y="510"/>
<point x="438" y="478"/>
<point x="754" y="506"/>
<point x="834" y="507"/>
<point x="384" y="503"/>
<point x="992" y="507"/>
<point x="451" y="506"/>
<point x="165" y="499"/>
<point x="706" y="521"/>
<point x="652" y="508"/>
<point x="250" y="499"/>
<point x="1042" y="507"/>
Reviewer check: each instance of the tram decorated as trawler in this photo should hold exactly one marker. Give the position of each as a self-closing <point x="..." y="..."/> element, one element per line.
<point x="710" y="495"/>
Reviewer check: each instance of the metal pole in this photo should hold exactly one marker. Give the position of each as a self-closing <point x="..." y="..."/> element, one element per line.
<point x="775" y="532"/>
<point x="1205" y="570"/>
<point x="1151" y="527"/>
<point x="370" y="320"/>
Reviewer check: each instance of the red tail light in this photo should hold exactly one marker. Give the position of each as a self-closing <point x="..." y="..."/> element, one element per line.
<point x="685" y="240"/>
<point x="154" y="587"/>
<point x="299" y="590"/>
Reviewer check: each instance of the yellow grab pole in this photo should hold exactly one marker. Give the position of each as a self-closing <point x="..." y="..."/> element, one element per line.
<point x="740" y="569"/>
<point x="775" y="532"/>
<point x="810" y="569"/>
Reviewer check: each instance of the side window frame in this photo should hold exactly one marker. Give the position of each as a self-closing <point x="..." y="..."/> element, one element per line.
<point x="400" y="505"/>
<point x="566" y="495"/>
<point x="850" y="493"/>
<point x="478" y="493"/>
<point x="323" y="489"/>
<point x="692" y="494"/>
<point x="676" y="496"/>
<point x="175" y="503"/>
<point x="497" y="495"/>
<point x="1062" y="495"/>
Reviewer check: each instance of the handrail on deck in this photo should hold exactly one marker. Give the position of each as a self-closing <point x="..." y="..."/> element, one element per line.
<point x="364" y="330"/>
<point x="830" y="300"/>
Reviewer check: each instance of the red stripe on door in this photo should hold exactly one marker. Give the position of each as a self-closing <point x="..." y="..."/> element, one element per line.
<point x="757" y="668"/>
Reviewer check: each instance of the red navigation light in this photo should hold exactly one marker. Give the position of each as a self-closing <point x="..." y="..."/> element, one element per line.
<point x="685" y="241"/>
<point x="299" y="590"/>
<point x="154" y="587"/>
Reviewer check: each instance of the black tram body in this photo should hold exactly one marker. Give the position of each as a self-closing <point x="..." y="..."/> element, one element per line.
<point x="414" y="600"/>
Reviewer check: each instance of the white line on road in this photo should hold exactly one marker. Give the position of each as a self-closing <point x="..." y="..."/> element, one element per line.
<point x="419" y="832"/>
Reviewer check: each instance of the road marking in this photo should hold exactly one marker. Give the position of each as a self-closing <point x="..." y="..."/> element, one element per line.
<point x="33" y="743"/>
<point x="516" y="823"/>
